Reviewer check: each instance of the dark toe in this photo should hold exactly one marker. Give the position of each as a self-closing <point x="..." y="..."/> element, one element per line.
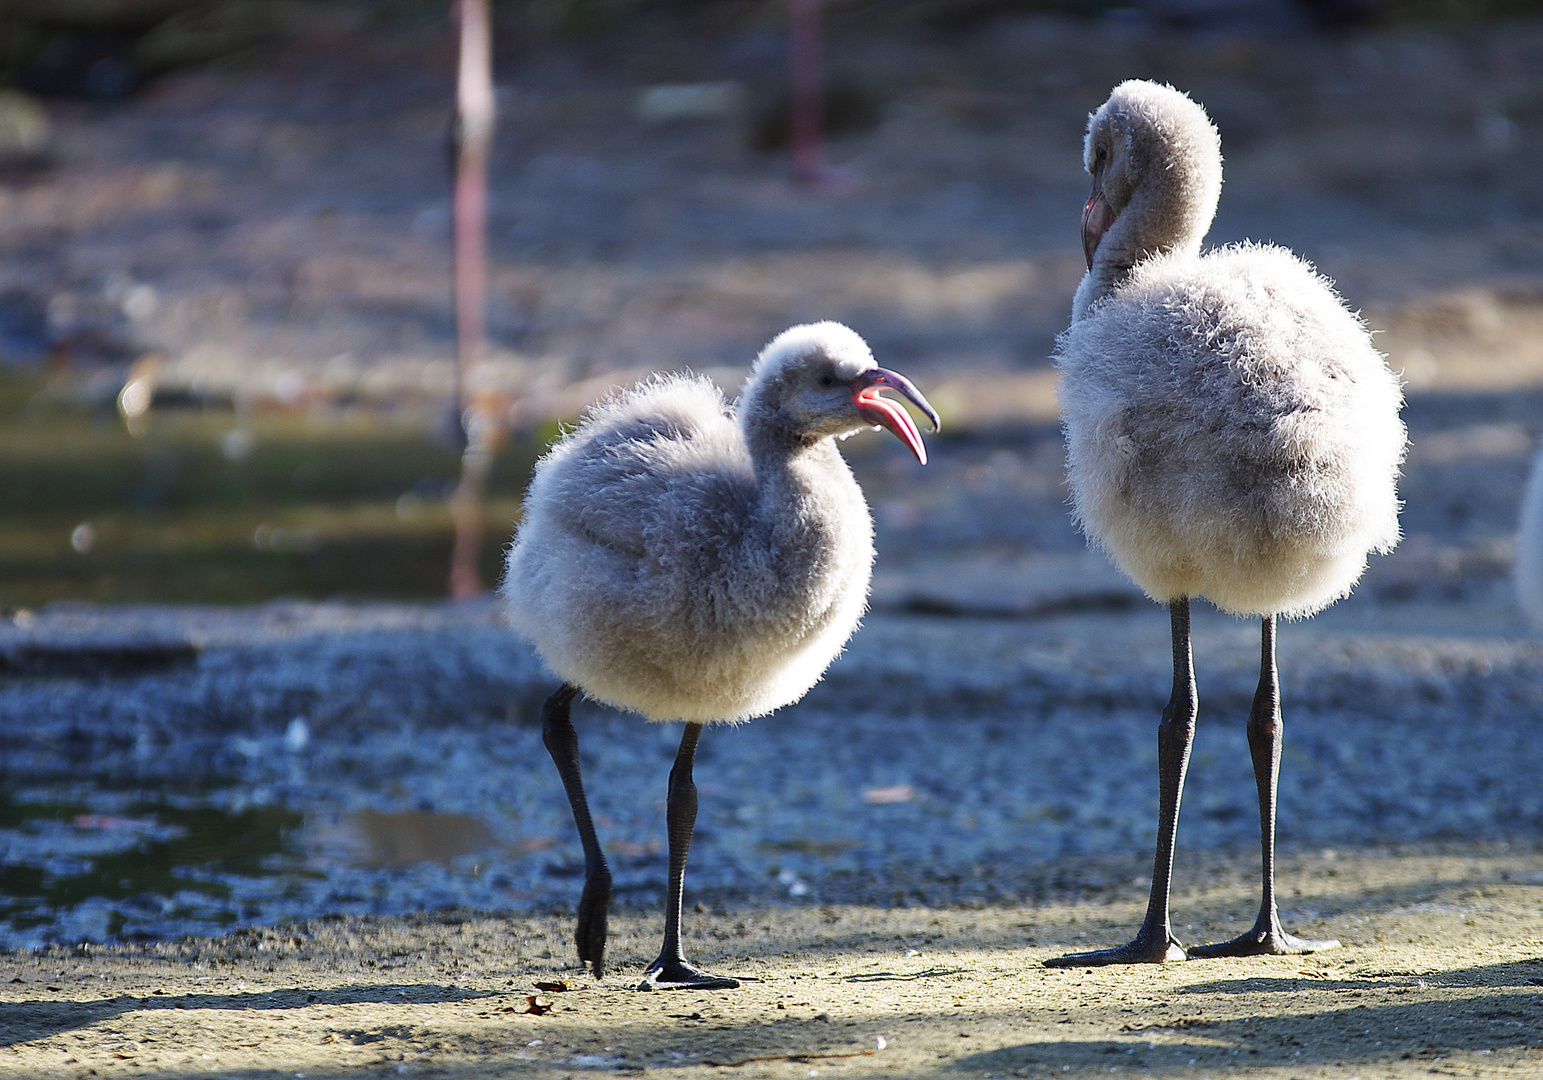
<point x="591" y="933"/>
<point x="680" y="975"/>
<point x="1258" y="942"/>
<point x="1155" y="950"/>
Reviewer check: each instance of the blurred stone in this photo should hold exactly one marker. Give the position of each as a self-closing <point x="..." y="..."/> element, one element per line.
<point x="405" y="838"/>
<point x="23" y="125"/>
<point x="670" y="102"/>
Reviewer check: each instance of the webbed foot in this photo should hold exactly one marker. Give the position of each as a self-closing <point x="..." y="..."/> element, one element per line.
<point x="679" y="974"/>
<point x="1262" y="941"/>
<point x="1145" y="949"/>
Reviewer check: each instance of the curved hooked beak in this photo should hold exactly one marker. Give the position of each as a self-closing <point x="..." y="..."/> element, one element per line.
<point x="1096" y="219"/>
<point x="879" y="410"/>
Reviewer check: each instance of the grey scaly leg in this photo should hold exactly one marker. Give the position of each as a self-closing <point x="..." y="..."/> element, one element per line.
<point x="562" y="742"/>
<point x="1266" y="938"/>
<point x="672" y="971"/>
<point x="1154" y="942"/>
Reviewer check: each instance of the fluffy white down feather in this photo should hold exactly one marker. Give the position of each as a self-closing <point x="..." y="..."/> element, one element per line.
<point x="1231" y="432"/>
<point x="663" y="570"/>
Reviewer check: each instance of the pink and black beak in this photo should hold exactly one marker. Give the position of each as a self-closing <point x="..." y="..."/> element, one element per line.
<point x="1096" y="219"/>
<point x="873" y="407"/>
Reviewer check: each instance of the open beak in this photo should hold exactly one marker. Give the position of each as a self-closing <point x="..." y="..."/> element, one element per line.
<point x="1096" y="219"/>
<point x="879" y="410"/>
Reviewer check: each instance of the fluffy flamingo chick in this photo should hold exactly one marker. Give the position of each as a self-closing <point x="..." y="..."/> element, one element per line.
<point x="685" y="561"/>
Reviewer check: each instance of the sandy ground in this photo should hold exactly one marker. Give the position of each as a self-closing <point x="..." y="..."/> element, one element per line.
<point x="1439" y="975"/>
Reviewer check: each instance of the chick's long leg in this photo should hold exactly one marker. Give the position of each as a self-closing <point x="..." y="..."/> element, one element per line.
<point x="672" y="971"/>
<point x="1154" y="942"/>
<point x="562" y="742"/>
<point x="1266" y="937"/>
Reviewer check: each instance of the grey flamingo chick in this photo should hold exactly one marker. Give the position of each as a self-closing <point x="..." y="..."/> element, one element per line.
<point x="688" y="563"/>
<point x="1231" y="433"/>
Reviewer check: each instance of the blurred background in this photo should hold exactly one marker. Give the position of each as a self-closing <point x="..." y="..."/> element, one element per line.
<point x="227" y="337"/>
<point x="229" y="375"/>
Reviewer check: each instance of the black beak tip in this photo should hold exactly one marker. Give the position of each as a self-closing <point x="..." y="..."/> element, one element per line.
<point x="907" y="389"/>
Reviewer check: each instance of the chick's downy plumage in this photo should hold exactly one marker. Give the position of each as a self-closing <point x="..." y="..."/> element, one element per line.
<point x="1231" y="431"/>
<point x="689" y="562"/>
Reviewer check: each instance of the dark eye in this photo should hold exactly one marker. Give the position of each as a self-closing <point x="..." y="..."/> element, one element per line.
<point x="827" y="380"/>
<point x="1100" y="154"/>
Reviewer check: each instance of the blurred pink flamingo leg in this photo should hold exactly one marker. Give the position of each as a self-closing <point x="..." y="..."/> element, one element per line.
<point x="804" y="64"/>
<point x="473" y="136"/>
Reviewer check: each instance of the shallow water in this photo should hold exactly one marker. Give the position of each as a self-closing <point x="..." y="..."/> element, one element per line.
<point x="204" y="504"/>
<point x="108" y="864"/>
<point x="96" y="864"/>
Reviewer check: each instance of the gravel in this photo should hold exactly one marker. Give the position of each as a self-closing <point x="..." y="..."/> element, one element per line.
<point x="942" y="760"/>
